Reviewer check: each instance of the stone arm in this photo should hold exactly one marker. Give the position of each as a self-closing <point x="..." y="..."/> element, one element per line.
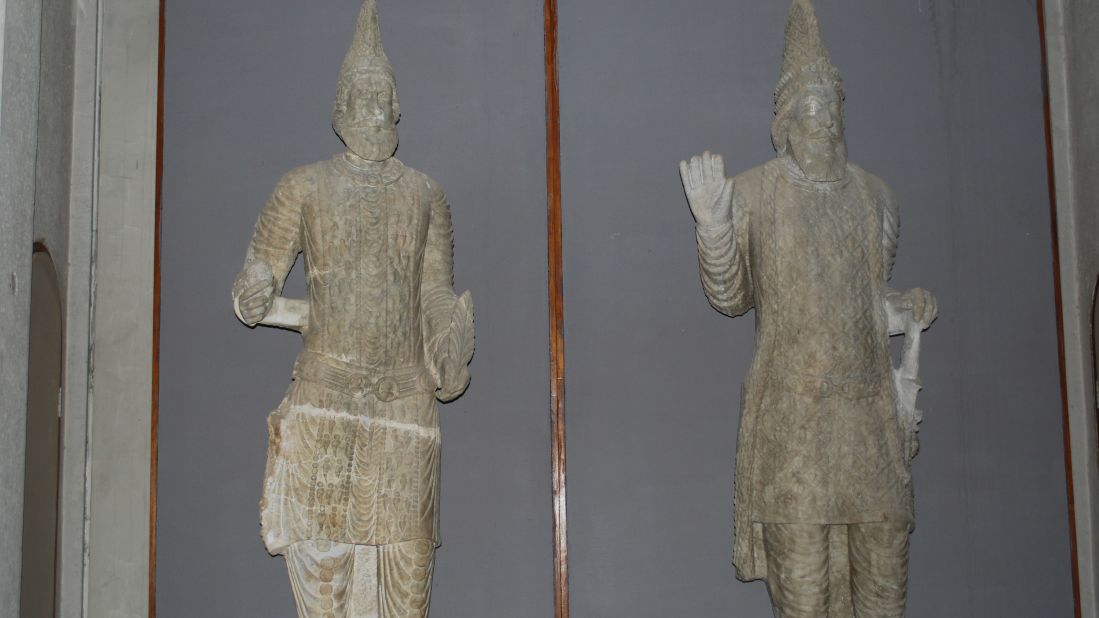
<point x="447" y="319"/>
<point x="275" y="245"/>
<point x="900" y="307"/>
<point x="723" y="260"/>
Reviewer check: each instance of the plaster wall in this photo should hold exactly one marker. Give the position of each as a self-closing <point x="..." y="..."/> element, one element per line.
<point x="18" y="141"/>
<point x="54" y="157"/>
<point x="52" y="217"/>
<point x="120" y="407"/>
<point x="944" y="101"/>
<point x="84" y="84"/>
<point x="51" y="153"/>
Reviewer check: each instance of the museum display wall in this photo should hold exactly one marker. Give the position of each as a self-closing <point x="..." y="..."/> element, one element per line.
<point x="249" y="89"/>
<point x="944" y="102"/>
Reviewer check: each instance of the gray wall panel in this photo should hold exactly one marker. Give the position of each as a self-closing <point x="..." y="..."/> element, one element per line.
<point x="249" y="88"/>
<point x="944" y="103"/>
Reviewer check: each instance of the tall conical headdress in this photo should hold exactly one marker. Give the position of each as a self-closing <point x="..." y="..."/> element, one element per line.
<point x="805" y="61"/>
<point x="365" y="56"/>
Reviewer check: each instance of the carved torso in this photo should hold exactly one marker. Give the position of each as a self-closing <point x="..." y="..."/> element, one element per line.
<point x="363" y="239"/>
<point x="819" y="438"/>
<point x="819" y="278"/>
<point x="826" y="426"/>
<point x="353" y="453"/>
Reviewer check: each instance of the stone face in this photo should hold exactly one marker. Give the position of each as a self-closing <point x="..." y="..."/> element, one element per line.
<point x="828" y="426"/>
<point x="351" y="487"/>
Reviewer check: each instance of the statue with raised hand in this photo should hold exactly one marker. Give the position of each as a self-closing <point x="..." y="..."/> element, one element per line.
<point x="351" y="489"/>
<point x="827" y="429"/>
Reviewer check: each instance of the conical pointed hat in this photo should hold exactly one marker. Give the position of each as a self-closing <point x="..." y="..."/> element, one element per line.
<point x="366" y="53"/>
<point x="805" y="60"/>
<point x="366" y="56"/>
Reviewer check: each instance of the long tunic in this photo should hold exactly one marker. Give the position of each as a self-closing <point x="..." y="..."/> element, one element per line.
<point x="819" y="439"/>
<point x="343" y="464"/>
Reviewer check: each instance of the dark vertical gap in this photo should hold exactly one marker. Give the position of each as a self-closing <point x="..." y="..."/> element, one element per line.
<point x="154" y="443"/>
<point x="556" y="317"/>
<point x="1060" y="307"/>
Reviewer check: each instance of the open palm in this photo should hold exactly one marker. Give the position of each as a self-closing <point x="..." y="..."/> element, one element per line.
<point x="709" y="192"/>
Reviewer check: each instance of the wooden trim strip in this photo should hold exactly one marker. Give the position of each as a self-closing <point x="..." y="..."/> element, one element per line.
<point x="154" y="459"/>
<point x="556" y="317"/>
<point x="1060" y="309"/>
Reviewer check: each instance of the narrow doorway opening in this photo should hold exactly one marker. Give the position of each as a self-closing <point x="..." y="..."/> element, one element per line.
<point x="41" y="479"/>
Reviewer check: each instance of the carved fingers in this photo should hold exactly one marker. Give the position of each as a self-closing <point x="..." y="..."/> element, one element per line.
<point x="709" y="193"/>
<point x="454" y="379"/>
<point x="254" y="293"/>
<point x="922" y="304"/>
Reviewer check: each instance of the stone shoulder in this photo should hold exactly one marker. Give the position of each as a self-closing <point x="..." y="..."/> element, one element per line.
<point x="747" y="183"/>
<point x="878" y="189"/>
<point x="432" y="190"/>
<point x="301" y="182"/>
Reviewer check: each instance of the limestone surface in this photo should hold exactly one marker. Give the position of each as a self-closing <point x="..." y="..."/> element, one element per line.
<point x="828" y="426"/>
<point x="351" y="488"/>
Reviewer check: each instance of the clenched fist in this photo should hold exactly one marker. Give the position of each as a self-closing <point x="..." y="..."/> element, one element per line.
<point x="709" y="192"/>
<point x="254" y="293"/>
<point x="453" y="379"/>
<point x="921" y="303"/>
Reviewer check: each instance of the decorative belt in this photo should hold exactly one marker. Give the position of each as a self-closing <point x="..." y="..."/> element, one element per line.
<point x="825" y="386"/>
<point x="346" y="378"/>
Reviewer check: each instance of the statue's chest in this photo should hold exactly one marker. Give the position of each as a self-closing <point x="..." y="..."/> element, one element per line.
<point x="362" y="228"/>
<point x="820" y="243"/>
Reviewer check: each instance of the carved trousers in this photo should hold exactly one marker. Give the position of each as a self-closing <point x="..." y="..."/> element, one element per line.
<point x="338" y="580"/>
<point x="798" y="571"/>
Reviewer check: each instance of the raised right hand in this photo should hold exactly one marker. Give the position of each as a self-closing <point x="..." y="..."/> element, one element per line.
<point x="709" y="192"/>
<point x="254" y="293"/>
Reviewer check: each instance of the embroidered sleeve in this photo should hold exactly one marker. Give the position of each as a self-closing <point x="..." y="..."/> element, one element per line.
<point x="277" y="237"/>
<point x="890" y="229"/>
<point x="723" y="261"/>
<point x="437" y="283"/>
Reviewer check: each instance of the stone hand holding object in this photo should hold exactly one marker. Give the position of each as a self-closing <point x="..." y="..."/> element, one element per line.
<point x="921" y="303"/>
<point x="910" y="313"/>
<point x="709" y="192"/>
<point x="453" y="350"/>
<point x="254" y="292"/>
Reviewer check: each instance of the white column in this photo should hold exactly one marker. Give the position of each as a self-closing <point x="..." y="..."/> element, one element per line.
<point x="1073" y="59"/>
<point x="119" y="437"/>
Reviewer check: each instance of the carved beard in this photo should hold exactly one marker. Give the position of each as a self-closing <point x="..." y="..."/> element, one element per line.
<point x="822" y="158"/>
<point x="371" y="143"/>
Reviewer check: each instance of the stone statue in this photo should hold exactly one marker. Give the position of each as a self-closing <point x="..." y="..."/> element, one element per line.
<point x="827" y="433"/>
<point x="351" y="489"/>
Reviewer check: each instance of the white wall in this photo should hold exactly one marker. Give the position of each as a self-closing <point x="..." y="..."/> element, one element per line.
<point x="18" y="136"/>
<point x="77" y="172"/>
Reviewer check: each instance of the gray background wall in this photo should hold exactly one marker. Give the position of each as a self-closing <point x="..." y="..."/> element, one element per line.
<point x="944" y="102"/>
<point x="248" y="92"/>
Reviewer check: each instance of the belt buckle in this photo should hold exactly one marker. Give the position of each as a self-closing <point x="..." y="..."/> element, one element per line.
<point x="360" y="384"/>
<point x="386" y="389"/>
